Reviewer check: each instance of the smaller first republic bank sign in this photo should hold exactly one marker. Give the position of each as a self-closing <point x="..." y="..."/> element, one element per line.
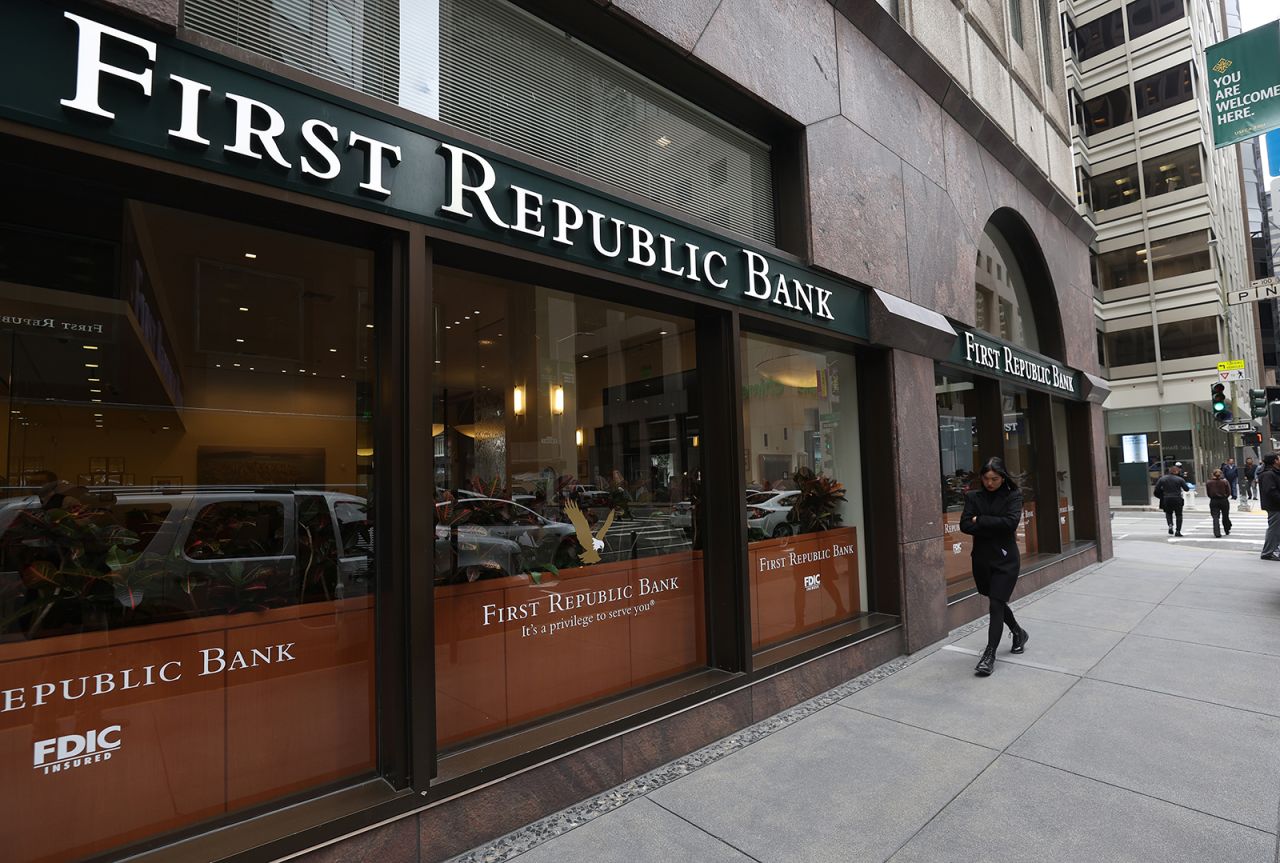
<point x="103" y="81"/>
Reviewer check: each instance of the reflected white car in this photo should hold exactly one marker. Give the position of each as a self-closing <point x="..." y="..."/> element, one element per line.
<point x="768" y="512"/>
<point x="497" y="537"/>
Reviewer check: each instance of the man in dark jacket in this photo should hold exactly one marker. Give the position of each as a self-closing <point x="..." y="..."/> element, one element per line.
<point x="1231" y="474"/>
<point x="1269" y="497"/>
<point x="1168" y="491"/>
<point x="1249" y="476"/>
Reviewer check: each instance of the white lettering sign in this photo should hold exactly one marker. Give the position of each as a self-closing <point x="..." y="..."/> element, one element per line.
<point x="473" y="186"/>
<point x="214" y="660"/>
<point x="69" y="751"/>
<point x="1003" y="359"/>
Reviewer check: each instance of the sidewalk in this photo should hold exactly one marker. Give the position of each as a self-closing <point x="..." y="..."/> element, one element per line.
<point x="1143" y="723"/>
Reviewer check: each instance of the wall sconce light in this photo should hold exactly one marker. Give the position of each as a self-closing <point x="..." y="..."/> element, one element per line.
<point x="557" y="400"/>
<point x="577" y="437"/>
<point x="365" y="452"/>
<point x="517" y="401"/>
<point x="695" y="440"/>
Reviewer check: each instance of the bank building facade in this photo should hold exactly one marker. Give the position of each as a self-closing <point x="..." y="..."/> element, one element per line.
<point x="425" y="416"/>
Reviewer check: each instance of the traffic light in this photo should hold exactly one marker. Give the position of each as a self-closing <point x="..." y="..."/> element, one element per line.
<point x="1218" y="394"/>
<point x="1258" y="403"/>
<point x="1251" y="439"/>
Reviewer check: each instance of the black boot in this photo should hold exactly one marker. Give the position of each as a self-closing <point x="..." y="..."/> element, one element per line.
<point x="986" y="664"/>
<point x="1019" y="641"/>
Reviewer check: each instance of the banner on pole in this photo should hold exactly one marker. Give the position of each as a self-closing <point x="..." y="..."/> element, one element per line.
<point x="1244" y="84"/>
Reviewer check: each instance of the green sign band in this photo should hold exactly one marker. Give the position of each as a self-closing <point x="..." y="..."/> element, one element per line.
<point x="984" y="353"/>
<point x="1244" y="84"/>
<point x="96" y="77"/>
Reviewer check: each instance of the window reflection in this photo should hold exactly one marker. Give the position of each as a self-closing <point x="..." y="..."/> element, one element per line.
<point x="1172" y="171"/>
<point x="803" y="508"/>
<point x="960" y="457"/>
<point x="568" y="563"/>
<point x="1094" y="37"/>
<point x="1148" y="15"/>
<point x="1002" y="304"/>
<point x="188" y="399"/>
<point x="1163" y="90"/>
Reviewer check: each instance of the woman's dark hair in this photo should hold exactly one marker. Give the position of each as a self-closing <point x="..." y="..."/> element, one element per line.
<point x="996" y="465"/>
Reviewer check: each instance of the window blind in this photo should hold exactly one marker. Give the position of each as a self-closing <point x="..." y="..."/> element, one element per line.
<point x="510" y="77"/>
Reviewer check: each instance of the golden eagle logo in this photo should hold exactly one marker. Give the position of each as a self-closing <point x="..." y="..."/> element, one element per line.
<point x="591" y="545"/>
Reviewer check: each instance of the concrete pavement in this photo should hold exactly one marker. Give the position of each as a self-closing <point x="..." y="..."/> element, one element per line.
<point x="1142" y="724"/>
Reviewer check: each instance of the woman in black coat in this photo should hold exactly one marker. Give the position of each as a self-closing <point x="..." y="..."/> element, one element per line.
<point x="991" y="516"/>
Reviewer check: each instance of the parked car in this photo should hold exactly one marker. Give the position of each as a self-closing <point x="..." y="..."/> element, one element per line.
<point x="139" y="556"/>
<point x="486" y="537"/>
<point x="769" y="512"/>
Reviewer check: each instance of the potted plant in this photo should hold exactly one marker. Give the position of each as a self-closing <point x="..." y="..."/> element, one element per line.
<point x="818" y="507"/>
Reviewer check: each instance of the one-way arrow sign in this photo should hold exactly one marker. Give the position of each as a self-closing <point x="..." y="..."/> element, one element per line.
<point x="1237" y="426"/>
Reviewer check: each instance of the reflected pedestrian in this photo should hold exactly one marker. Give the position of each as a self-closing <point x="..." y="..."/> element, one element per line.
<point x="1168" y="491"/>
<point x="991" y="516"/>
<point x="1269" y="498"/>
<point x="1219" y="490"/>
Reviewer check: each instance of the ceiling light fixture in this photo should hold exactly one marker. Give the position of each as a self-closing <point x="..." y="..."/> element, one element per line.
<point x="95" y="391"/>
<point x="90" y="365"/>
<point x="333" y="350"/>
<point x="239" y="341"/>
<point x="90" y="347"/>
<point x="244" y="308"/>
<point x="368" y="326"/>
<point x="251" y="256"/>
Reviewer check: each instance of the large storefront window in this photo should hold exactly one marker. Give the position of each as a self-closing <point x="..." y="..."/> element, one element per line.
<point x="1002" y="304"/>
<point x="958" y="443"/>
<point x="1062" y="472"/>
<point x="568" y="547"/>
<point x="186" y="539"/>
<point x="804" y="504"/>
<point x="1020" y="460"/>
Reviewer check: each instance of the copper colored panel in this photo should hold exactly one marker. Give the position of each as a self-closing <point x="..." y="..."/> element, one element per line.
<point x="1026" y="538"/>
<point x="802" y="583"/>
<point x="956" y="550"/>
<point x="471" y="657"/>
<point x="509" y="651"/>
<point x="194" y="722"/>
<point x="297" y="722"/>
<point x="169" y="767"/>
<point x="1064" y="512"/>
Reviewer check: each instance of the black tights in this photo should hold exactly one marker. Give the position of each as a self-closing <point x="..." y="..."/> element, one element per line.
<point x="1001" y="614"/>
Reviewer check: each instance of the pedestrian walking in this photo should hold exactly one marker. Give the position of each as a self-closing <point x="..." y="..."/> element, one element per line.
<point x="1269" y="497"/>
<point x="1248" y="479"/>
<point x="1219" y="490"/>
<point x="991" y="516"/>
<point x="1231" y="474"/>
<point x="1168" y="491"/>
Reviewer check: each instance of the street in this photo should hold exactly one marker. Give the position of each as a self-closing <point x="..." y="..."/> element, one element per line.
<point x="1247" y="529"/>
